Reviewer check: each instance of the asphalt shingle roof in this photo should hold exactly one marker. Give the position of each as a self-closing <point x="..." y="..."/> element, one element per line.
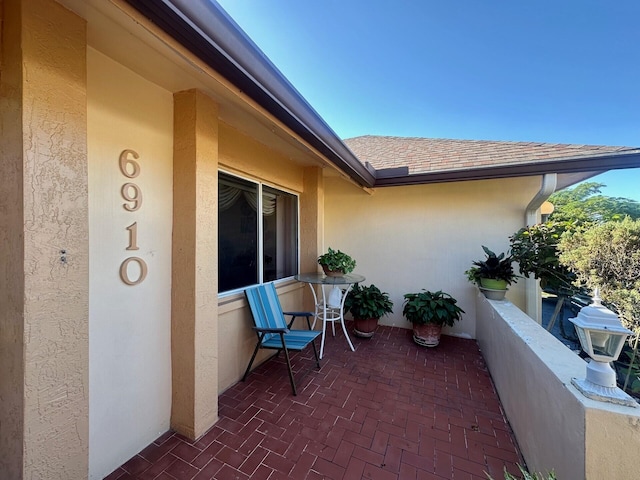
<point x="427" y="155"/>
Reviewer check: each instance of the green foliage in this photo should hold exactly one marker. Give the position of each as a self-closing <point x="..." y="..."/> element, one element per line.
<point x="583" y="205"/>
<point x="367" y="302"/>
<point x="526" y="475"/>
<point x="628" y="368"/>
<point x="608" y="256"/>
<point x="535" y="249"/>
<point x="428" y="307"/>
<point x="336" y="260"/>
<point x="496" y="267"/>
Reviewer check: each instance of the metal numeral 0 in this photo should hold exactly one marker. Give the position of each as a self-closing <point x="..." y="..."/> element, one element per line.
<point x="124" y="271"/>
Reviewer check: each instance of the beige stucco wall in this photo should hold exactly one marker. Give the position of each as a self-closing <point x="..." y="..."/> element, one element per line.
<point x="130" y="374"/>
<point x="556" y="427"/>
<point x="241" y="155"/>
<point x="43" y="213"/>
<point x="408" y="238"/>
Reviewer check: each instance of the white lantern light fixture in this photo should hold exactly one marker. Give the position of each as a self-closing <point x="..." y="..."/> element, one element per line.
<point x="602" y="337"/>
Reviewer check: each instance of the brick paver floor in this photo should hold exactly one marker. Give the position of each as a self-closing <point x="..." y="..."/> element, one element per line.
<point x="391" y="410"/>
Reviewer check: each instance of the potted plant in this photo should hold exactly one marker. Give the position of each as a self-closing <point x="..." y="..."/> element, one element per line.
<point x="336" y="263"/>
<point x="492" y="274"/>
<point x="367" y="305"/>
<point x="429" y="312"/>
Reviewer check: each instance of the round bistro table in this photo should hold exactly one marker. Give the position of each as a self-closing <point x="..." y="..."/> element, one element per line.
<point x="330" y="307"/>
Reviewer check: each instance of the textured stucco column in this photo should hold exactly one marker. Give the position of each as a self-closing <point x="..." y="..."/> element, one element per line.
<point x="194" y="299"/>
<point x="44" y="287"/>
<point x="311" y="224"/>
<point x="311" y="218"/>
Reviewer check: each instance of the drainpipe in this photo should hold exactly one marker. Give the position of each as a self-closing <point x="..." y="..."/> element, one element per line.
<point x="533" y="299"/>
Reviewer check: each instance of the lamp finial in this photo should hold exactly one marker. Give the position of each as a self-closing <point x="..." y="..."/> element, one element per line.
<point x="597" y="300"/>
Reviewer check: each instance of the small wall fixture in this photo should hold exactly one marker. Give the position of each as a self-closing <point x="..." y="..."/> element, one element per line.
<point x="602" y="337"/>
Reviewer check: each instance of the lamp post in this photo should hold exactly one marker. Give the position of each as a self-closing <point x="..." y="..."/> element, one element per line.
<point x="602" y="337"/>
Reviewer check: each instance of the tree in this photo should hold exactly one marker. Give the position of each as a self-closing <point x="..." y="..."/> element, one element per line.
<point x="583" y="205"/>
<point x="535" y="248"/>
<point x="608" y="256"/>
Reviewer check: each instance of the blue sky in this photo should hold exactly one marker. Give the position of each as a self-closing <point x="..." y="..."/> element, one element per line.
<point x="550" y="71"/>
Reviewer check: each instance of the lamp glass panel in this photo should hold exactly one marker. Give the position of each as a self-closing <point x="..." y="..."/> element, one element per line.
<point x="606" y="344"/>
<point x="585" y="340"/>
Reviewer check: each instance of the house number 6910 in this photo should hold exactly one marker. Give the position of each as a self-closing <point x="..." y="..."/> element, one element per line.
<point x="132" y="194"/>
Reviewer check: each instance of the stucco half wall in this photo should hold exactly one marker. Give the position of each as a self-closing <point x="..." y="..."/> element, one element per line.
<point x="408" y="238"/>
<point x="557" y="428"/>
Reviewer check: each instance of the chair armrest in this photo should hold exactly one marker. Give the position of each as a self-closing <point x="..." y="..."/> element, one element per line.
<point x="299" y="314"/>
<point x="271" y="330"/>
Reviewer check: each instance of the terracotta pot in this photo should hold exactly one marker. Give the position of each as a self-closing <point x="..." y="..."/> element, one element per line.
<point x="427" y="335"/>
<point x="332" y="273"/>
<point x="365" y="327"/>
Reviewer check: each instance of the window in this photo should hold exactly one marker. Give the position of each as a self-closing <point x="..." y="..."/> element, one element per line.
<point x="255" y="248"/>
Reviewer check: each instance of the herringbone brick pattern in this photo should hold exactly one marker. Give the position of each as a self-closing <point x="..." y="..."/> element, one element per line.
<point x="391" y="410"/>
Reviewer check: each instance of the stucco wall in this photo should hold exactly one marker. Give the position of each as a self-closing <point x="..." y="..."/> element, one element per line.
<point x="557" y="428"/>
<point x="408" y="238"/>
<point x="130" y="373"/>
<point x="242" y="155"/>
<point x="44" y="260"/>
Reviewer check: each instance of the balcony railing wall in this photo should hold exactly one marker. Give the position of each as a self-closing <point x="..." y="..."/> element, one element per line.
<point x="555" y="425"/>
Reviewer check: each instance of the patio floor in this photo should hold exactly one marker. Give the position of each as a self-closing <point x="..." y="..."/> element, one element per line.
<point x="389" y="410"/>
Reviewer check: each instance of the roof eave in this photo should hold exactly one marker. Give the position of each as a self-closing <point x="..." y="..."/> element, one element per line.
<point x="603" y="163"/>
<point x="206" y="30"/>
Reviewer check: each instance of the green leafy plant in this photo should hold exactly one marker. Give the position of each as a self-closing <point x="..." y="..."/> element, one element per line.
<point x="495" y="267"/>
<point x="526" y="475"/>
<point x="535" y="249"/>
<point x="427" y="307"/>
<point x="335" y="260"/>
<point x="629" y="371"/>
<point x="608" y="256"/>
<point x="367" y="302"/>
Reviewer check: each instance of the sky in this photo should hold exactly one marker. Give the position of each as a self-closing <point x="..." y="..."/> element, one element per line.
<point x="557" y="71"/>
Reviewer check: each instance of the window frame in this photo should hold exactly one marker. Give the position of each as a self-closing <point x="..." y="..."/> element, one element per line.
<point x="260" y="231"/>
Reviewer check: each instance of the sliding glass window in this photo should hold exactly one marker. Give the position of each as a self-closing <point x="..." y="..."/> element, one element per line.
<point x="255" y="248"/>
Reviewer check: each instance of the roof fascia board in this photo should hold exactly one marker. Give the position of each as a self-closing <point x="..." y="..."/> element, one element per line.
<point x="206" y="30"/>
<point x="570" y="165"/>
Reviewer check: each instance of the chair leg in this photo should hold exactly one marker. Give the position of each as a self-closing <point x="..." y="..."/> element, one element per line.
<point x="315" y="352"/>
<point x="286" y="354"/>
<point x="253" y="357"/>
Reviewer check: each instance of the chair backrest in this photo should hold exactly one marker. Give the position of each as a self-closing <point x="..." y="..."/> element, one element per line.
<point x="265" y="307"/>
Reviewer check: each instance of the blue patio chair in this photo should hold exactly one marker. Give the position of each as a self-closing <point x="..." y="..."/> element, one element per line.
<point x="272" y="329"/>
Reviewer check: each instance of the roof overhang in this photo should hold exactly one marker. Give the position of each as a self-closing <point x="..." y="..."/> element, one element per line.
<point x="208" y="32"/>
<point x="588" y="165"/>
